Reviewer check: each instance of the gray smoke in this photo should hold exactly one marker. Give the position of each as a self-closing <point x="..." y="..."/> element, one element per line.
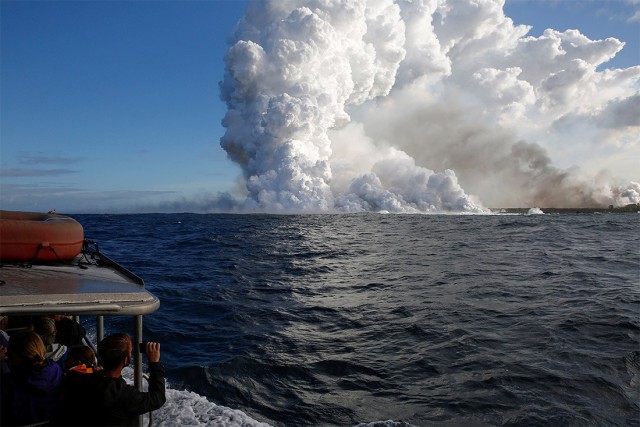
<point x="399" y="105"/>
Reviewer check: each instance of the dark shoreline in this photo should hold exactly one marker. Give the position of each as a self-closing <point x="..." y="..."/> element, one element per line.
<point x="632" y="208"/>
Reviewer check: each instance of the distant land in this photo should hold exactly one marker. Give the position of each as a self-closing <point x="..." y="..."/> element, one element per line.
<point x="633" y="207"/>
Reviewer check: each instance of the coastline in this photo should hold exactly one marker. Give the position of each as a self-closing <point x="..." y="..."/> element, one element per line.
<point x="631" y="208"/>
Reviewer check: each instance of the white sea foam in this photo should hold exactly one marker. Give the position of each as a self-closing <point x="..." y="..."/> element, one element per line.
<point x="186" y="408"/>
<point x="386" y="423"/>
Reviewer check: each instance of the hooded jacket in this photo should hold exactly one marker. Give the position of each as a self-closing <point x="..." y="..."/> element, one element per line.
<point x="30" y="396"/>
<point x="99" y="400"/>
<point x="58" y="353"/>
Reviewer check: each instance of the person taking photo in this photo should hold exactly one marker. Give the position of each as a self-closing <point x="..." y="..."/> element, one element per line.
<point x="104" y="397"/>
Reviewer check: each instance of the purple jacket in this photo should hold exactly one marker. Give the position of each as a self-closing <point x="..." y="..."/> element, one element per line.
<point x="29" y="397"/>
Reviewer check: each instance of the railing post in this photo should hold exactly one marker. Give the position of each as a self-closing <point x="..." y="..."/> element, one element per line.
<point x="137" y="368"/>
<point x="137" y="339"/>
<point x="99" y="329"/>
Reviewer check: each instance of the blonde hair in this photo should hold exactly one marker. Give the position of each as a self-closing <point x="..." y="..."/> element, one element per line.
<point x="26" y="350"/>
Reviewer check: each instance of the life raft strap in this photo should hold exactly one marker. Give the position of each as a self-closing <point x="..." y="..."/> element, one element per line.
<point x="51" y="248"/>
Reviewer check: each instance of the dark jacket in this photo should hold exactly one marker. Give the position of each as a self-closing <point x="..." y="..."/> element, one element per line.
<point x="30" y="396"/>
<point x="99" y="400"/>
<point x="69" y="332"/>
<point x="4" y="342"/>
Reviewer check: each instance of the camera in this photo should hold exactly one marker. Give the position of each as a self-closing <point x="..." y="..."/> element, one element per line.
<point x="143" y="347"/>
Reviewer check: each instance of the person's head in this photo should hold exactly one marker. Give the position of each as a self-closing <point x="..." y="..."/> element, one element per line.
<point x="4" y="321"/>
<point x="79" y="355"/>
<point x="46" y="328"/>
<point x="115" y="350"/>
<point x="26" y="350"/>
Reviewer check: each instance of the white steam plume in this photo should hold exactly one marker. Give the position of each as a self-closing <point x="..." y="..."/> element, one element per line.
<point x="352" y="106"/>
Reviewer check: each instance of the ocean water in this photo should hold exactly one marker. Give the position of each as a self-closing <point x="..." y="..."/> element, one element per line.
<point x="389" y="320"/>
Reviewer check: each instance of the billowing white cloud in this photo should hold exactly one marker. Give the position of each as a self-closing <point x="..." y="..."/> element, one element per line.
<point x="412" y="106"/>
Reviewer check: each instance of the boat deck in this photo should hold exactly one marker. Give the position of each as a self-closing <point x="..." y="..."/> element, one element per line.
<point x="88" y="285"/>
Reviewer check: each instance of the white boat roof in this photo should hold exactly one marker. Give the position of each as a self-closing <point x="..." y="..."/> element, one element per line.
<point x="91" y="284"/>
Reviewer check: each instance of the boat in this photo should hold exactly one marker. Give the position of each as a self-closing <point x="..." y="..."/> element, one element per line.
<point x="88" y="284"/>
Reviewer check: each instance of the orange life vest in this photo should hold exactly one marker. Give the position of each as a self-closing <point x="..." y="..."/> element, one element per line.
<point x="82" y="369"/>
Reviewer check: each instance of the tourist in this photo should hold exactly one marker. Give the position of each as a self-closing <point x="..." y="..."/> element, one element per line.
<point x="4" y="345"/>
<point x="68" y="331"/>
<point x="80" y="360"/>
<point x="104" y="397"/>
<point x="46" y="328"/>
<point x="30" y="391"/>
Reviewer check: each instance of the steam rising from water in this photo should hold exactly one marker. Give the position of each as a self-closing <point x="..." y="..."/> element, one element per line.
<point x="399" y="105"/>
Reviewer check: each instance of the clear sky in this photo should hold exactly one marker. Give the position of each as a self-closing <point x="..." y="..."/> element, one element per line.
<point x="112" y="106"/>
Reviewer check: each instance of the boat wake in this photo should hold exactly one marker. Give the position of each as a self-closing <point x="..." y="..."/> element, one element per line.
<point x="186" y="408"/>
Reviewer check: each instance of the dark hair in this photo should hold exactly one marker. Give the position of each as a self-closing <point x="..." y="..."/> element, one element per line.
<point x="46" y="328"/>
<point x="80" y="354"/>
<point x="113" y="349"/>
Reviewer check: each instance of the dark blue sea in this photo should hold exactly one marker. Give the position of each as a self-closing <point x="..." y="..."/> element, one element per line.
<point x="389" y="320"/>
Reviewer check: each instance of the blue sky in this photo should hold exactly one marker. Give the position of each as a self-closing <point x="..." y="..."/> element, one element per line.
<point x="111" y="106"/>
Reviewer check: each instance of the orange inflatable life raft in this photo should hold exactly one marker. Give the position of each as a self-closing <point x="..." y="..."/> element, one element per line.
<point x="38" y="238"/>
